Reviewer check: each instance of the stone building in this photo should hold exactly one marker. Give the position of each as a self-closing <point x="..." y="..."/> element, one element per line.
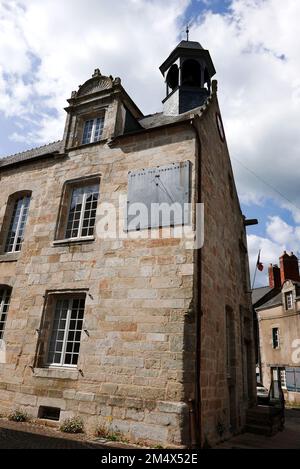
<point x="145" y="335"/>
<point x="277" y="307"/>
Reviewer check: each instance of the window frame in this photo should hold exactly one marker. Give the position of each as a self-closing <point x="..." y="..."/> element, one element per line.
<point x="282" y="375"/>
<point x="63" y="352"/>
<point x="276" y="337"/>
<point x="65" y="205"/>
<point x="94" y="120"/>
<point x="230" y="341"/>
<point x="5" y="301"/>
<point x="7" y="223"/>
<point x="288" y="296"/>
<point x="83" y="210"/>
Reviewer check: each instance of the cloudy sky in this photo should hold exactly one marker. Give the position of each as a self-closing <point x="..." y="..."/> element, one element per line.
<point x="49" y="47"/>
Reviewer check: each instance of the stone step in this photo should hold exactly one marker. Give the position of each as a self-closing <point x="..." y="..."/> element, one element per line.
<point x="264" y="420"/>
<point x="262" y="429"/>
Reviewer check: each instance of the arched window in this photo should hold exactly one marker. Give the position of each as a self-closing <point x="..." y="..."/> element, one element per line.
<point x="207" y="79"/>
<point x="13" y="228"/>
<point x="191" y="73"/>
<point x="172" y="77"/>
<point x="5" y="293"/>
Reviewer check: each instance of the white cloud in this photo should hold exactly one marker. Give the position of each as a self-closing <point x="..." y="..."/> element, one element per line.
<point x="58" y="46"/>
<point x="280" y="237"/>
<point x="256" y="52"/>
<point x="50" y="47"/>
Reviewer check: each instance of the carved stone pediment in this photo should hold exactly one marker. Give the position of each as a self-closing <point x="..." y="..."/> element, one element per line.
<point x="97" y="83"/>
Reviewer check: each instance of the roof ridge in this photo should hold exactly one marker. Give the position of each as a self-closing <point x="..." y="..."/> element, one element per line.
<point x="150" y="115"/>
<point x="30" y="149"/>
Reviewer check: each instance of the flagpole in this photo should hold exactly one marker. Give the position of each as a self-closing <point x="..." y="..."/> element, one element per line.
<point x="254" y="276"/>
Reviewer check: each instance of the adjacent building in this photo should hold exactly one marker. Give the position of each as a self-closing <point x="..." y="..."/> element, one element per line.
<point x="149" y="336"/>
<point x="278" y="314"/>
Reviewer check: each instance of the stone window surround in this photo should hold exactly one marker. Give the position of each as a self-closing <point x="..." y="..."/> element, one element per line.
<point x="56" y="373"/>
<point x="273" y="327"/>
<point x="287" y="295"/>
<point x="69" y="315"/>
<point x="80" y="120"/>
<point x="230" y="334"/>
<point x="10" y="256"/>
<point x="40" y="366"/>
<point x="5" y="299"/>
<point x="64" y="207"/>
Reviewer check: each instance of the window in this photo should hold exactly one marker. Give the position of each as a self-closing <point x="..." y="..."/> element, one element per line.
<point x="93" y="129"/>
<point x="283" y="378"/>
<point x="4" y="305"/>
<point x="230" y="341"/>
<point x="66" y="332"/>
<point x="17" y="224"/>
<point x="292" y="378"/>
<point x="275" y="337"/>
<point x="173" y="77"/>
<point x="82" y="212"/>
<point x="289" y="300"/>
<point x="191" y="73"/>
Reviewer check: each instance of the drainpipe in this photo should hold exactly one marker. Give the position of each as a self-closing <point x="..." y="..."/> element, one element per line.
<point x="196" y="427"/>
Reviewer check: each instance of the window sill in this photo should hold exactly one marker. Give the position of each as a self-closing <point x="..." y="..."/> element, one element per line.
<point x="86" y="145"/>
<point x="56" y="373"/>
<point x="10" y="257"/>
<point x="84" y="239"/>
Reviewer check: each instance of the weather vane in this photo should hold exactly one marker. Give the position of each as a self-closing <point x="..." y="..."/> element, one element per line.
<point x="187" y="32"/>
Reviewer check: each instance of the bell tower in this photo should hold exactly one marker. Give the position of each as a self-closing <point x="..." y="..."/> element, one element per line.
<point x="188" y="71"/>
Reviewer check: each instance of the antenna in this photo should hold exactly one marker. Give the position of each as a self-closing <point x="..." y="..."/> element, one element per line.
<point x="187" y="32"/>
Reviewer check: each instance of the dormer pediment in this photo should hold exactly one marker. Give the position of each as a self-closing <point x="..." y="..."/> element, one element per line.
<point x="288" y="285"/>
<point x="99" y="110"/>
<point x="95" y="84"/>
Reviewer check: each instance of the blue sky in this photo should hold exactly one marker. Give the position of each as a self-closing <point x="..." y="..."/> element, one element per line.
<point x="44" y="56"/>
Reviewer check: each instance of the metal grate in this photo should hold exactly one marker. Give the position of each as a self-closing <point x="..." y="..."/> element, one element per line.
<point x="49" y="413"/>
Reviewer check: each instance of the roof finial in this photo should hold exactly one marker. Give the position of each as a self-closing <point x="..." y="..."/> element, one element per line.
<point x="187" y="32"/>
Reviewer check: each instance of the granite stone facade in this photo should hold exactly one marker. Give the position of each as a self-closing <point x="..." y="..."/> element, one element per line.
<point x="166" y="350"/>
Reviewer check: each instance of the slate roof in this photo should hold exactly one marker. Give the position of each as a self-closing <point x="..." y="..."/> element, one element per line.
<point x="275" y="301"/>
<point x="259" y="293"/>
<point x="158" y="119"/>
<point x="153" y="120"/>
<point x="34" y="153"/>
<point x="189" y="45"/>
<point x="188" y="48"/>
<point x="272" y="296"/>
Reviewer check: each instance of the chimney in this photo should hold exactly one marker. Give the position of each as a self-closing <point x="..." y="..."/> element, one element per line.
<point x="274" y="276"/>
<point x="289" y="268"/>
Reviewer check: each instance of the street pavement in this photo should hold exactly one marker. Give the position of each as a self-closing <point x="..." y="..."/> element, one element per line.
<point x="29" y="436"/>
<point x="289" y="438"/>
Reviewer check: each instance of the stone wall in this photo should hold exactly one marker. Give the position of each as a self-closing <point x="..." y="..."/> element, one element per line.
<point x="224" y="286"/>
<point x="287" y="354"/>
<point x="139" y="292"/>
<point x="136" y="369"/>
